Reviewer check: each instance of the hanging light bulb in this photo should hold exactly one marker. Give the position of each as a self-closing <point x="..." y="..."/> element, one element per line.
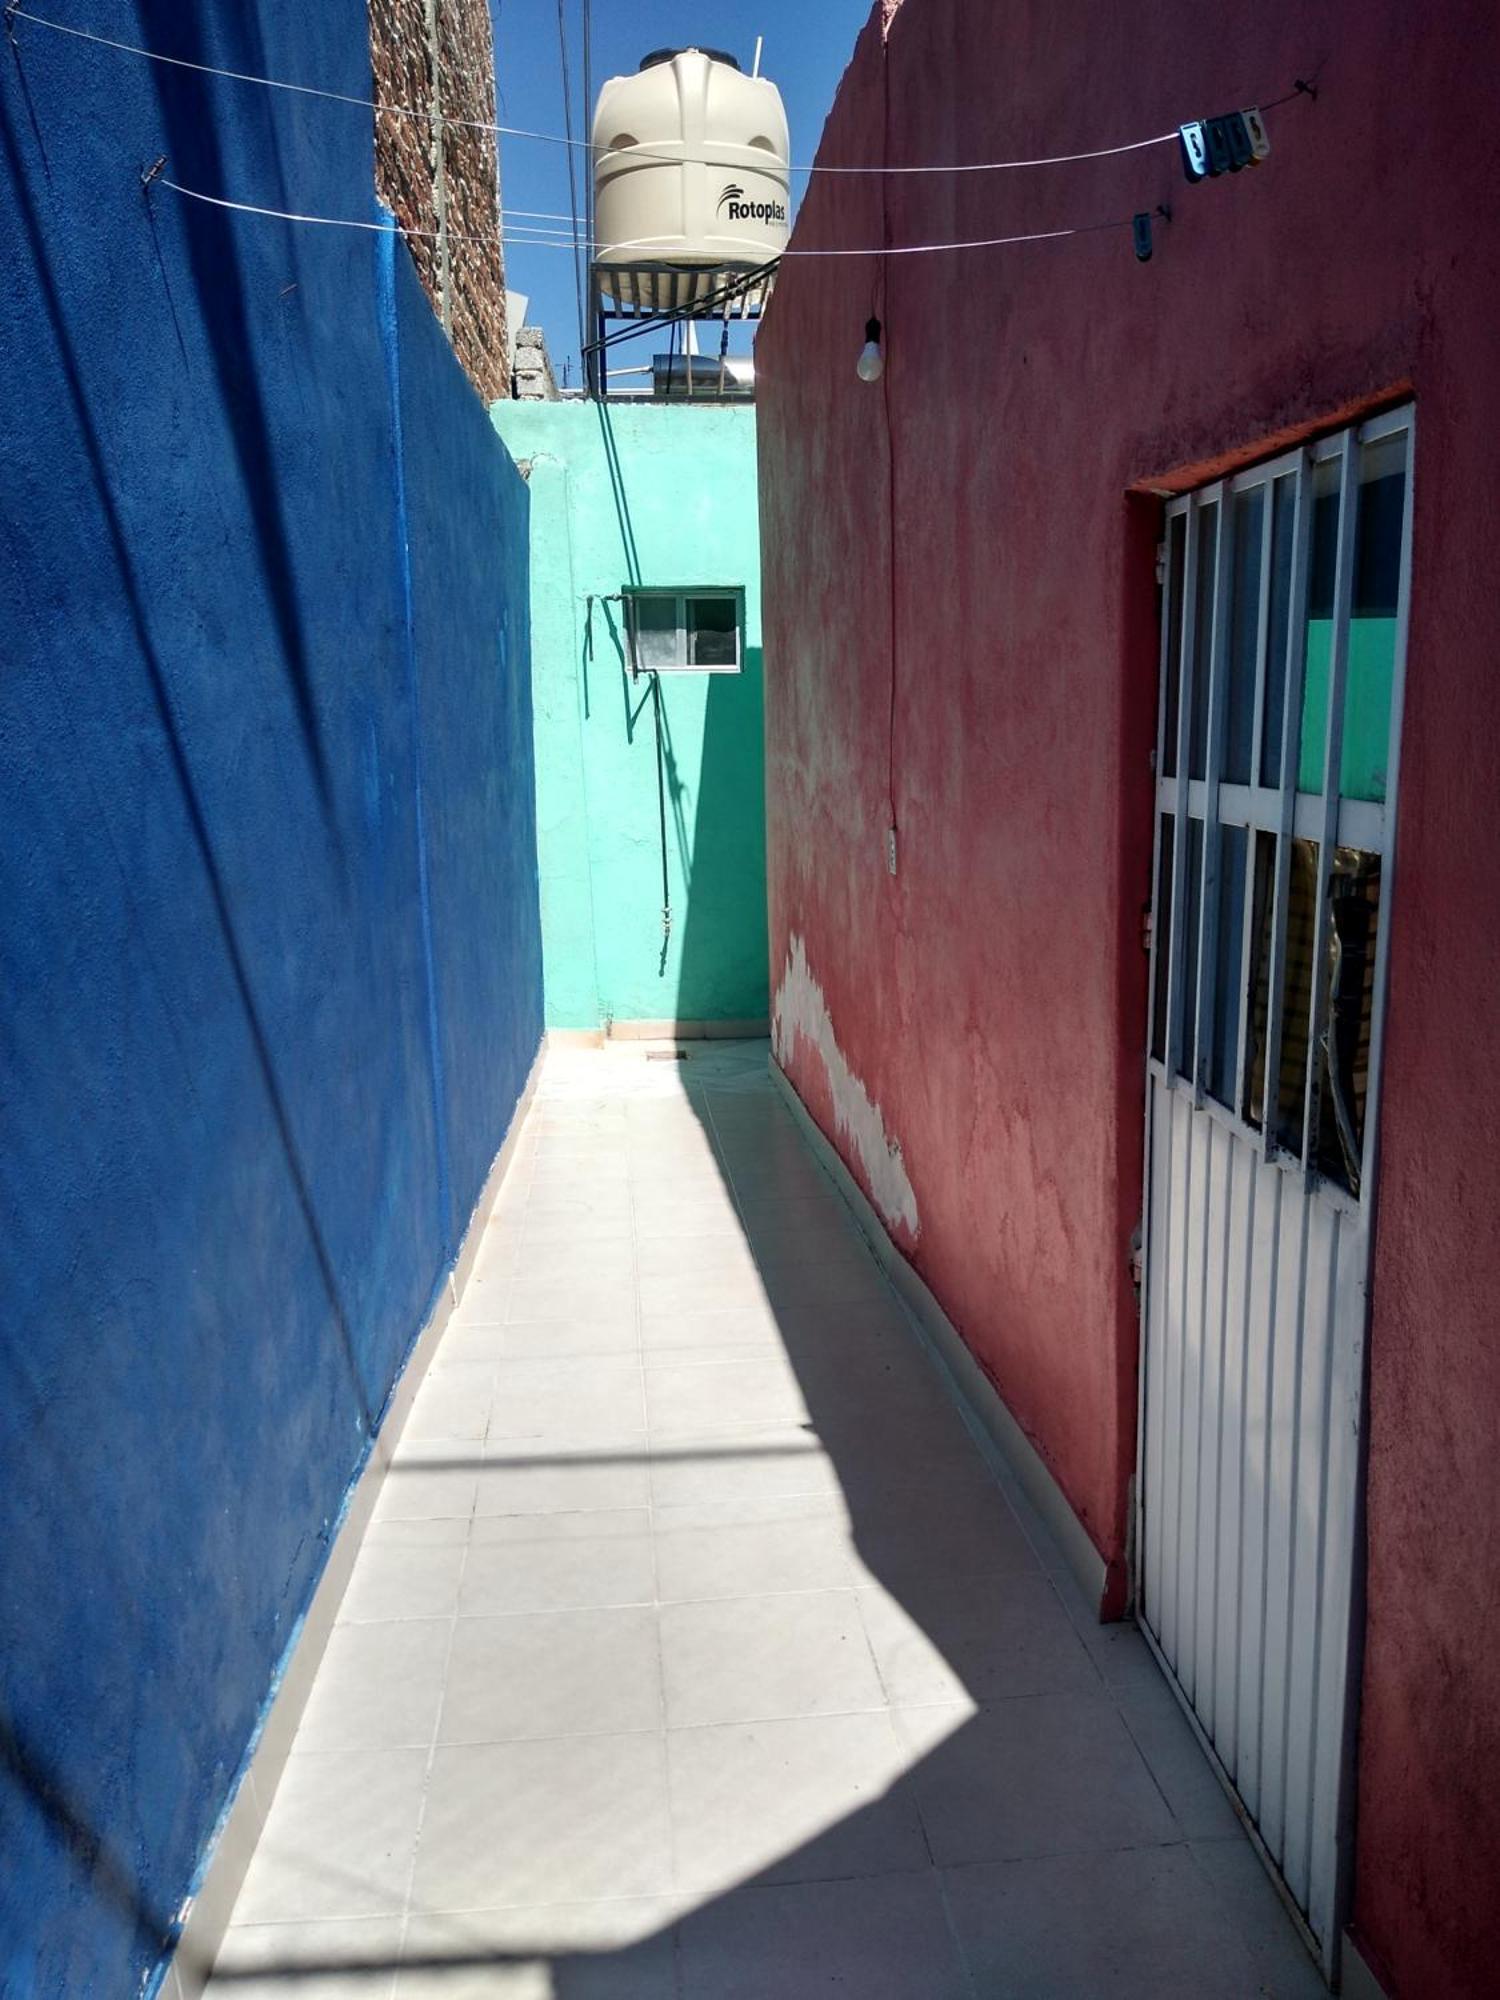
<point x="871" y="363"/>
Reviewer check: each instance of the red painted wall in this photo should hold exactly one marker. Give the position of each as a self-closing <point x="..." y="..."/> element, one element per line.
<point x="991" y="997"/>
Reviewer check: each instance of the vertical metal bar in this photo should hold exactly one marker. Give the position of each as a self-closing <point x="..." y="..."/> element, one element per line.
<point x="1290" y="737"/>
<point x="440" y="169"/>
<point x="1333" y="751"/>
<point x="1152" y="1221"/>
<point x="1213" y="762"/>
<point x="1257" y="751"/>
<point x="1179" y="840"/>
<point x="1388" y="857"/>
<point x="1262" y="631"/>
<point x="1334" y="1793"/>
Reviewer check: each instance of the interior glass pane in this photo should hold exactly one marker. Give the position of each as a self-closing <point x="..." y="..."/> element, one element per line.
<point x="1264" y="889"/>
<point x="1372" y="631"/>
<point x="1283" y="536"/>
<point x="1297" y="992"/>
<point x="1348" y="976"/>
<point x="657" y="637"/>
<point x="1162" y="920"/>
<point x="714" y="630"/>
<point x="1322" y="564"/>
<point x="1249" y="509"/>
<point x="1176" y="548"/>
<point x="1192" y="906"/>
<point x="1229" y="992"/>
<point x="1203" y="632"/>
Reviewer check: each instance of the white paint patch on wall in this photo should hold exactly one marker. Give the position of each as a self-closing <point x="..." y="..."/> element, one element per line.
<point x="800" y="1009"/>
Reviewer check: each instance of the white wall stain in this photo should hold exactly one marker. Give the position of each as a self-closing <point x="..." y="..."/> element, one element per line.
<point x="799" y="1009"/>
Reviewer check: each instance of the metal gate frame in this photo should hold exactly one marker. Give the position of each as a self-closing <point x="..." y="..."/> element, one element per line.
<point x="1288" y="814"/>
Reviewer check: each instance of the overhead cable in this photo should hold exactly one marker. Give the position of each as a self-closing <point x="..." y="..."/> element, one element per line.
<point x="14" y="12"/>
<point x="565" y="243"/>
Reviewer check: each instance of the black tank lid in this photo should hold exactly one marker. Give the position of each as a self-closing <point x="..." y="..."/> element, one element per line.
<point x="665" y="56"/>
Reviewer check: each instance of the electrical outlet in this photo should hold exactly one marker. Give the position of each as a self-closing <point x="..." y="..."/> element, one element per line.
<point x="890" y="849"/>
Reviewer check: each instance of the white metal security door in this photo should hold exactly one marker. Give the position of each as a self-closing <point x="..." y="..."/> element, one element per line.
<point x="1283" y="650"/>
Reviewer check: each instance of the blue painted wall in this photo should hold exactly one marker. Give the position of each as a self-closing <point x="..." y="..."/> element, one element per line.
<point x="269" y="940"/>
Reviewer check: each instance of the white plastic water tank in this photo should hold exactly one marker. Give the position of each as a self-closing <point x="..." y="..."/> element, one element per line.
<point x="691" y="171"/>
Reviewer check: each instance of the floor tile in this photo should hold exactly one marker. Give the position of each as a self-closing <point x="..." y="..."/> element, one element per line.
<point x="733" y="1333"/>
<point x="571" y="1295"/>
<point x="339" y="1839"/>
<point x="530" y="1476"/>
<point x="552" y="1673"/>
<point x="569" y="1400"/>
<point x="345" y="1959"/>
<point x="661" y="1255"/>
<point x="1238" y="1877"/>
<point x="684" y="1398"/>
<point x="620" y="1950"/>
<point x="739" y="1465"/>
<point x="1136" y="1926"/>
<point x="402" y="1580"/>
<point x="429" y="1481"/>
<point x="569" y="1819"/>
<point x="1199" y="1803"/>
<point x="611" y="1330"/>
<point x="709" y="1290"/>
<point x="1040" y="1775"/>
<point x="881" y="1938"/>
<point x="748" y="1658"/>
<point x="397" y="1531"/>
<point x="453" y="1403"/>
<point x="753" y="1548"/>
<point x="988" y="1637"/>
<point x="791" y="1801"/>
<point x="377" y="1686"/>
<point x="555" y="1562"/>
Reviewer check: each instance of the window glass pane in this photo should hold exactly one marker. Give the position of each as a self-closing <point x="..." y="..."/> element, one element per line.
<point x="1283" y="532"/>
<point x="1343" y="1078"/>
<point x="1296" y="992"/>
<point x="1203" y="632"/>
<point x="714" y="630"/>
<point x="1372" y="630"/>
<point x="1244" y="629"/>
<point x="658" y="642"/>
<point x="1229" y="993"/>
<point x="1260" y="975"/>
<point x="1162" y="927"/>
<point x="1354" y="927"/>
<point x="1192" y="906"/>
<point x="1322" y="563"/>
<point x="1176" y="543"/>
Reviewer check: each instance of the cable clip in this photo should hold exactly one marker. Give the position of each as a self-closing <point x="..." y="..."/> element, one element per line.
<point x="149" y="174"/>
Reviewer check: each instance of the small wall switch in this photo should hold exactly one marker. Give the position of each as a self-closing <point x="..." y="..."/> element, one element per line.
<point x="890" y="849"/>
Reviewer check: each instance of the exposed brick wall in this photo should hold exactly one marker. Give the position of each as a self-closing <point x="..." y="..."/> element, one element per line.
<point x="407" y="160"/>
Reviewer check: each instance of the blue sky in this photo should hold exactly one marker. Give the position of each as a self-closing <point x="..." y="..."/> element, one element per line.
<point x="807" y="44"/>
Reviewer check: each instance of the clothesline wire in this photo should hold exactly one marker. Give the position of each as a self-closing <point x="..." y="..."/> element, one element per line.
<point x="14" y="12"/>
<point x="567" y="243"/>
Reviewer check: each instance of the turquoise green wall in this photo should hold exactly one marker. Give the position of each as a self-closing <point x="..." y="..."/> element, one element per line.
<point x="658" y="494"/>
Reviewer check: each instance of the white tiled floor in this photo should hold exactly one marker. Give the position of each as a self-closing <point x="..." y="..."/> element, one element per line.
<point x="694" y="1652"/>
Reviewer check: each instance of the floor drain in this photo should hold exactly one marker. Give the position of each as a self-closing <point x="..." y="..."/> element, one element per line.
<point x="666" y="1055"/>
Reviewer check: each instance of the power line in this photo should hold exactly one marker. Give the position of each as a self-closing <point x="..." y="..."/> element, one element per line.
<point x="14" y="12"/>
<point x="712" y="300"/>
<point x="567" y="96"/>
<point x="539" y="242"/>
